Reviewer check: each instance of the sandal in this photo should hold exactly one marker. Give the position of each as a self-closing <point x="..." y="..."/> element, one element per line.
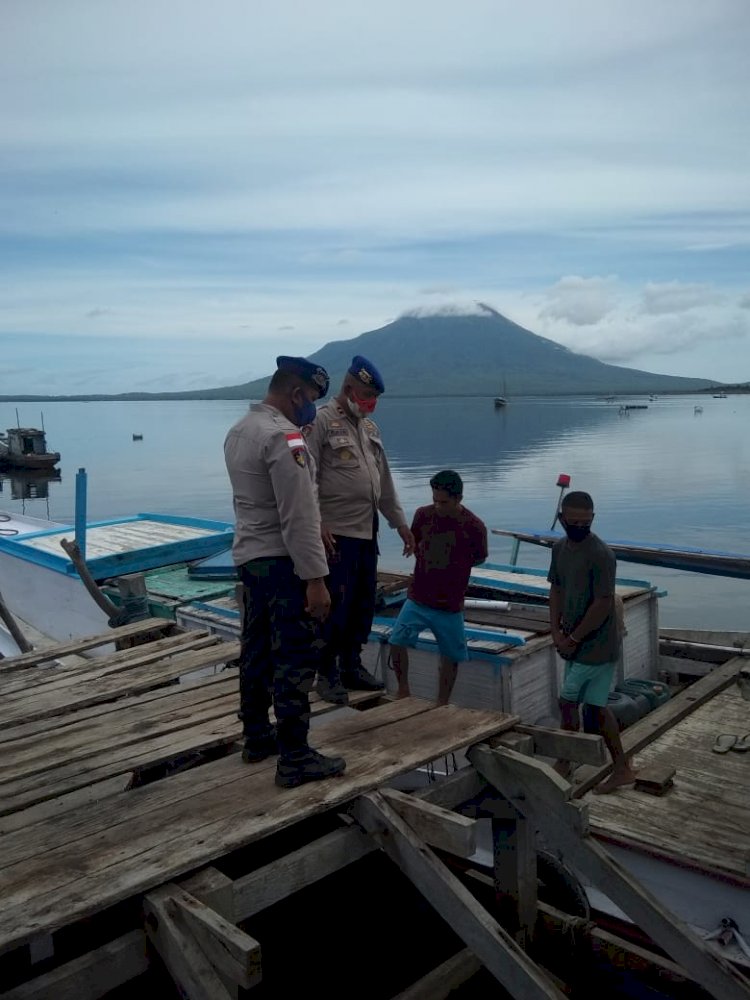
<point x="724" y="742"/>
<point x="742" y="745"/>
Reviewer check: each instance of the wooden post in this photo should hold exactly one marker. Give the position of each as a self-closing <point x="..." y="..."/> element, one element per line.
<point x="515" y="876"/>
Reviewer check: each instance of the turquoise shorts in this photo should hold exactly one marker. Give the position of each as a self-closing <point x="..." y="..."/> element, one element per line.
<point x="446" y="626"/>
<point x="588" y="683"/>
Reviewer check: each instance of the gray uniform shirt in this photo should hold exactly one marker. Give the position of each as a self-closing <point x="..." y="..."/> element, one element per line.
<point x="275" y="498"/>
<point x="585" y="572"/>
<point x="354" y="479"/>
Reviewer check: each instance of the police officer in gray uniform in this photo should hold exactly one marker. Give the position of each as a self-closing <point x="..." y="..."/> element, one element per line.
<point x="354" y="485"/>
<point x="281" y="561"/>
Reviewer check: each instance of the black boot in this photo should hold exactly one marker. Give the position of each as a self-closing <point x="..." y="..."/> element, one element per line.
<point x="356" y="678"/>
<point x="332" y="690"/>
<point x="306" y="765"/>
<point x="257" y="748"/>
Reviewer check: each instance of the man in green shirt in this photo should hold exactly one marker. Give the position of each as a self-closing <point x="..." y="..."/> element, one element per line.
<point x="585" y="630"/>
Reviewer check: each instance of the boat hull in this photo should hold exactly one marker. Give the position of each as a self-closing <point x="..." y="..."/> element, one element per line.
<point x="34" y="462"/>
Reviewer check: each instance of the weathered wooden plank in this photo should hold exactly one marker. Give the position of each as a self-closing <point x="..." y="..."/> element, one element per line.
<point x="71" y="747"/>
<point x="176" y="825"/>
<point x="186" y="961"/>
<point x="585" y="748"/>
<point x="51" y="808"/>
<point x="135" y="681"/>
<point x="92" y="975"/>
<point x="37" y="787"/>
<point x="702" y="822"/>
<point x="495" y="948"/>
<point x="655" y="723"/>
<point x="86" y="642"/>
<point x="187" y="794"/>
<point x="55" y="724"/>
<point x="129" y="751"/>
<point x="136" y="656"/>
<point x="442" y="981"/>
<point x="712" y="972"/>
<point x="438" y="827"/>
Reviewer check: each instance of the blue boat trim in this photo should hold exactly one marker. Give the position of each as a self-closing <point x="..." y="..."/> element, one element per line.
<point x="687" y="558"/>
<point x="135" y="561"/>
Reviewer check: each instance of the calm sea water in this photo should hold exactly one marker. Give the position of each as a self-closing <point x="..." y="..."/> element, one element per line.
<point x="663" y="474"/>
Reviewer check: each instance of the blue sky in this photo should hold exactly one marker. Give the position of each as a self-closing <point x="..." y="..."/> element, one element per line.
<point x="189" y="189"/>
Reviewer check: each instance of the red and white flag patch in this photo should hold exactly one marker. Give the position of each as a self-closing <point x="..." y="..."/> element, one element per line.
<point x="295" y="440"/>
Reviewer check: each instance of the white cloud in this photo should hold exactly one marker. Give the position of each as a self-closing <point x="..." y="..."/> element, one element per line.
<point x="581" y="301"/>
<point x="676" y="297"/>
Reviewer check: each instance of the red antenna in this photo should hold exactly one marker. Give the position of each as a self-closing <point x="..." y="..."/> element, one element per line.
<point x="563" y="481"/>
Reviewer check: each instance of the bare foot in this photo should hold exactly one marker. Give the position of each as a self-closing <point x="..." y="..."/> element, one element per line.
<point x="618" y="779"/>
<point x="403" y="694"/>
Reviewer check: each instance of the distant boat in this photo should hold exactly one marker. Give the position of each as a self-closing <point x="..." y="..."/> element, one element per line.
<point x="26" y="448"/>
<point x="720" y="395"/>
<point x="500" y="402"/>
<point x="652" y="398"/>
<point x="697" y="409"/>
<point x="137" y="437"/>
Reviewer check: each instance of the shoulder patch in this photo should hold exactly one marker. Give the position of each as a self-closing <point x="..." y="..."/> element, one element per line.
<point x="371" y="425"/>
<point x="298" y="448"/>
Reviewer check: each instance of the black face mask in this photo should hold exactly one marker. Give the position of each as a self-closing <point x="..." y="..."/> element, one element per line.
<point x="576" y="532"/>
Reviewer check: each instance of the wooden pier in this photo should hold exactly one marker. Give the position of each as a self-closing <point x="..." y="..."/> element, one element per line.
<point x="125" y="807"/>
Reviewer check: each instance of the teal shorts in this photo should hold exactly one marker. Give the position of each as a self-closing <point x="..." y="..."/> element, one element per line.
<point x="588" y="683"/>
<point x="446" y="626"/>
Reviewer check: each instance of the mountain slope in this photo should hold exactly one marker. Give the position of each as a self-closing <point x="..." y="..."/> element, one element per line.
<point x="481" y="354"/>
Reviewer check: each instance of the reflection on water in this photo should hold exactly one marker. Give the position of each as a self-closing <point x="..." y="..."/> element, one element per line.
<point x="24" y="484"/>
<point x="659" y="474"/>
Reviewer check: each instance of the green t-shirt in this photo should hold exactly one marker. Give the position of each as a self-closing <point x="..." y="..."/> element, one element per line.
<point x="584" y="572"/>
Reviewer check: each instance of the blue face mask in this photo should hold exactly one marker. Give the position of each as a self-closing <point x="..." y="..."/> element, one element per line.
<point x="305" y="414"/>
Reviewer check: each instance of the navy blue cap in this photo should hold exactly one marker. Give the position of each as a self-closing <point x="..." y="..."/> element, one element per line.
<point x="307" y="370"/>
<point x="366" y="373"/>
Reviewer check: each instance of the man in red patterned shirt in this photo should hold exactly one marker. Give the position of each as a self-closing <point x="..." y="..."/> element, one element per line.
<point x="449" y="542"/>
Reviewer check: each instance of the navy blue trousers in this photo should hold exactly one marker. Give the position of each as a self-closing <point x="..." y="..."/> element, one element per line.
<point x="279" y="647"/>
<point x="352" y="582"/>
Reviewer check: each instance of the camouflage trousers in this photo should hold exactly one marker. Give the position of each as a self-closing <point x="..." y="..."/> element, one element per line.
<point x="279" y="645"/>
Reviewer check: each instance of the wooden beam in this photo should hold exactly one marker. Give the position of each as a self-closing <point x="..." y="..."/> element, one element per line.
<point x="234" y="954"/>
<point x="266" y="886"/>
<point x="711" y="971"/>
<point x="215" y="889"/>
<point x="585" y="748"/>
<point x="524" y="778"/>
<point x="514" y="741"/>
<point x="442" y="981"/>
<point x="92" y="975"/>
<point x="438" y="827"/>
<point x="667" y="715"/>
<point x="329" y="854"/>
<point x="495" y="948"/>
<point x="183" y="957"/>
<point x="86" y="642"/>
